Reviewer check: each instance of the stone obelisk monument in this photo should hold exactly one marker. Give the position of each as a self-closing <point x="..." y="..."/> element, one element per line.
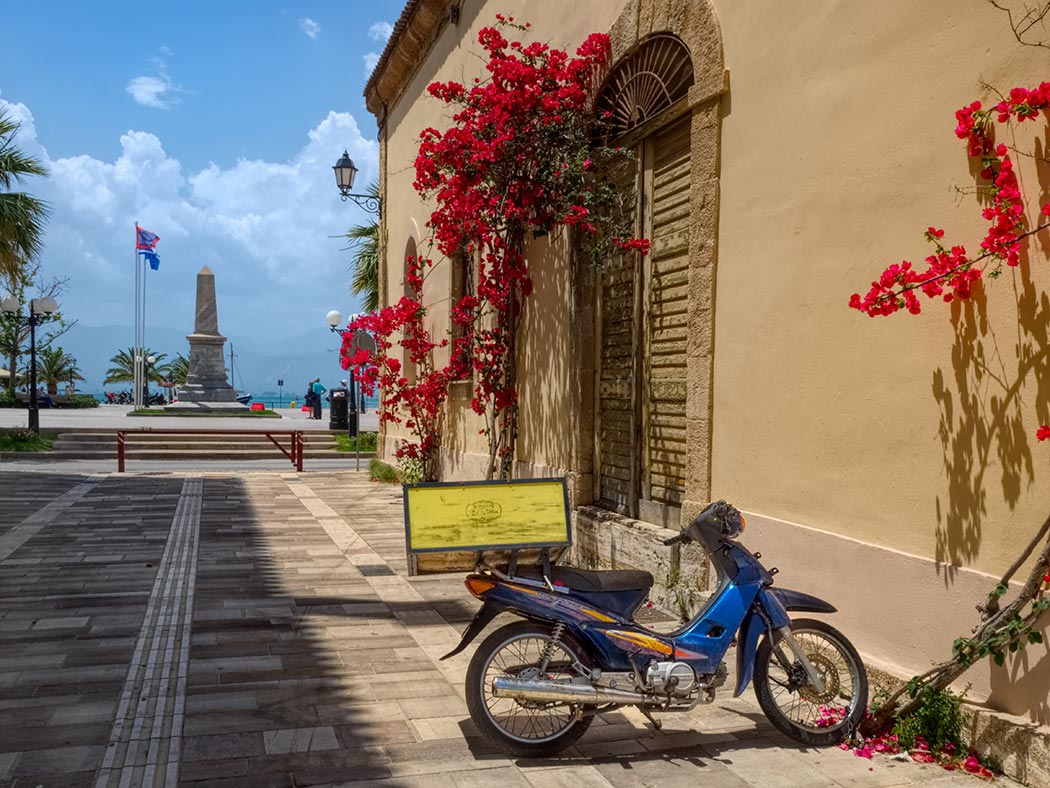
<point x="206" y="386"/>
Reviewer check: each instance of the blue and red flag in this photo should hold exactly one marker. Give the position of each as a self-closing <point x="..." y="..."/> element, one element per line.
<point x="144" y="239"/>
<point x="146" y="245"/>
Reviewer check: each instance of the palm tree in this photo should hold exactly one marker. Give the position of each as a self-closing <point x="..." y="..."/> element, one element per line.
<point x="177" y="370"/>
<point x="364" y="271"/>
<point x="123" y="369"/>
<point x="22" y="216"/>
<point x="54" y="366"/>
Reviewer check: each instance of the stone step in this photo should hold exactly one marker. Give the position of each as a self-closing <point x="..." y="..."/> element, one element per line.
<point x="179" y="454"/>
<point x="187" y="445"/>
<point x="92" y="437"/>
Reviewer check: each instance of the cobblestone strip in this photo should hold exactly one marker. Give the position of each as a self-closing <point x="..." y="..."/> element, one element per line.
<point x="32" y="525"/>
<point x="427" y="628"/>
<point x="146" y="741"/>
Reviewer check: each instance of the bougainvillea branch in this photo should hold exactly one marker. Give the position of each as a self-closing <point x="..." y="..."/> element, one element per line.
<point x="952" y="268"/>
<point x="950" y="275"/>
<point x="518" y="162"/>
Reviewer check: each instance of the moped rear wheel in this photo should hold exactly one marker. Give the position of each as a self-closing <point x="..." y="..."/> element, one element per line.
<point x="526" y="728"/>
<point x="793" y="704"/>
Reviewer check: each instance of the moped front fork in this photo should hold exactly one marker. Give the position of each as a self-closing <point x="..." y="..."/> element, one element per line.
<point x="811" y="672"/>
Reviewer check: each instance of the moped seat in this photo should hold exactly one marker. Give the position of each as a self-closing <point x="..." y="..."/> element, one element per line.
<point x="596" y="582"/>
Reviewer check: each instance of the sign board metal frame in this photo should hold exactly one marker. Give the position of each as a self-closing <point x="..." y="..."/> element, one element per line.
<point x="486" y="509"/>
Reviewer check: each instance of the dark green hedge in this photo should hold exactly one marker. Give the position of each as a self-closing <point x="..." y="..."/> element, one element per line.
<point x="7" y="400"/>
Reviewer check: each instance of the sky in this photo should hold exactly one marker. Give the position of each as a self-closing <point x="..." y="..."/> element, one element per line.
<point x="214" y="125"/>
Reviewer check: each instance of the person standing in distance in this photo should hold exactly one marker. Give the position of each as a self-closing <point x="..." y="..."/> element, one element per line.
<point x="318" y="389"/>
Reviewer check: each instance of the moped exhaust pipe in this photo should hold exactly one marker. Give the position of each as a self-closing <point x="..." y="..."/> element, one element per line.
<point x="556" y="692"/>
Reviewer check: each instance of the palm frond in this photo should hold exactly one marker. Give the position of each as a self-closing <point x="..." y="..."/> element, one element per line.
<point x="364" y="270"/>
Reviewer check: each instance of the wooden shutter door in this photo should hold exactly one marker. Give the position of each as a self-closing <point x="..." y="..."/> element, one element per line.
<point x="618" y="373"/>
<point x="666" y="321"/>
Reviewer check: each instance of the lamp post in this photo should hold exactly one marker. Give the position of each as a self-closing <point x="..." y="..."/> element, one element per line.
<point x="345" y="172"/>
<point x="39" y="308"/>
<point x="334" y="318"/>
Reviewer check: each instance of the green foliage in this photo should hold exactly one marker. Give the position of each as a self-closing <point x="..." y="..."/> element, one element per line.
<point x="877" y="699"/>
<point x="22" y="216"/>
<point x="123" y="369"/>
<point x="990" y="762"/>
<point x="364" y="271"/>
<point x="411" y="470"/>
<point x="8" y="399"/>
<point x="22" y="440"/>
<point x="938" y="719"/>
<point x="177" y="370"/>
<point x="379" y="471"/>
<point x="365" y="441"/>
<point x="78" y="401"/>
<point x="240" y="414"/>
<point x="54" y="366"/>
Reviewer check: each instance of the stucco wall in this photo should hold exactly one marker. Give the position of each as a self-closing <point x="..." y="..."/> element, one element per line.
<point x="837" y="153"/>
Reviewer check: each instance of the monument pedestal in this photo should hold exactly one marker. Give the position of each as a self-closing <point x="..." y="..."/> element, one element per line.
<point x="206" y="387"/>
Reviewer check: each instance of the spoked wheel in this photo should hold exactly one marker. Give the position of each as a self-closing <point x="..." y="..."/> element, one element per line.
<point x="793" y="704"/>
<point x="526" y="650"/>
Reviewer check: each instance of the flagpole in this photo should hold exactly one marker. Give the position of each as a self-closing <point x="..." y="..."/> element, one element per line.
<point x="135" y="352"/>
<point x="145" y="363"/>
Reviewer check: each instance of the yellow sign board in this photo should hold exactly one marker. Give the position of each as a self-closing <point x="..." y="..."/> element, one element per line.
<point x="450" y="516"/>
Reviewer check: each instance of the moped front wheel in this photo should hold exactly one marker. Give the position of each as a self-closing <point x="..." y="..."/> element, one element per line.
<point x="526" y="650"/>
<point x="790" y="700"/>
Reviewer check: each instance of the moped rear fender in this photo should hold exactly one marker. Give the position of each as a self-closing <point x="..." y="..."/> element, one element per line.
<point x="487" y="612"/>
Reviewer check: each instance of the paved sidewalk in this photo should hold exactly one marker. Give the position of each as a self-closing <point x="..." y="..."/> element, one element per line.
<point x="258" y="629"/>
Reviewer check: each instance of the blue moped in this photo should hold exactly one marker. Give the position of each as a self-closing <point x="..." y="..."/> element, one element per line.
<point x="534" y="686"/>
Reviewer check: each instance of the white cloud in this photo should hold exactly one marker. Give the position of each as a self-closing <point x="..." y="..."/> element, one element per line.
<point x="263" y="226"/>
<point x="156" y="91"/>
<point x="371" y="58"/>
<point x="380" y="31"/>
<point x="309" y="26"/>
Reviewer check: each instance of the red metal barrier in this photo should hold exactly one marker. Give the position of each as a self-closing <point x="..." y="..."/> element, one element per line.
<point x="294" y="453"/>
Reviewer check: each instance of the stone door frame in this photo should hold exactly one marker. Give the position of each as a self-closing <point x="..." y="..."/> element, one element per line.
<point x="696" y="25"/>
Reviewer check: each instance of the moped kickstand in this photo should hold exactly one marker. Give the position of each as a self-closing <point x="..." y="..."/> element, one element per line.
<point x="657" y="724"/>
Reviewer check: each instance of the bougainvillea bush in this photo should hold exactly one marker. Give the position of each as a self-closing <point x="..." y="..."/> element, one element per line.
<point x="519" y="161"/>
<point x="952" y="273"/>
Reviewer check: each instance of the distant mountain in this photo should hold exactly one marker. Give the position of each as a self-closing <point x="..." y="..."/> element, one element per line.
<point x="260" y="360"/>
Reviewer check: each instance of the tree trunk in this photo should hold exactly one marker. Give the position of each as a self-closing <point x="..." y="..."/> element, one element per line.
<point x="12" y="363"/>
<point x="1001" y="631"/>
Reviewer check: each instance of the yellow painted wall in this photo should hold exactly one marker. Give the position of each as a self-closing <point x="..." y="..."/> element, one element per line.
<point x="837" y="152"/>
<point x="545" y="356"/>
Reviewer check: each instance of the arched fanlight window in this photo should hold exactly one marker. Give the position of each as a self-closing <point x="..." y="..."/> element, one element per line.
<point x="644" y="83"/>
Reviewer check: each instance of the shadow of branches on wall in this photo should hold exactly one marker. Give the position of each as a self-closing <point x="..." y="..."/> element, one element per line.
<point x="986" y="404"/>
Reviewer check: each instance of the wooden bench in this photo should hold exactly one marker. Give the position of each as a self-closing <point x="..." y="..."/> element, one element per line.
<point x="452" y="526"/>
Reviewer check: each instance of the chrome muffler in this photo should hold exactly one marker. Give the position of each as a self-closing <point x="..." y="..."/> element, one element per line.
<point x="556" y="692"/>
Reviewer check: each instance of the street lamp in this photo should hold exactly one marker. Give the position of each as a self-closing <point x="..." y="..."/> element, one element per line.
<point x="39" y="309"/>
<point x="345" y="172"/>
<point x="334" y="318"/>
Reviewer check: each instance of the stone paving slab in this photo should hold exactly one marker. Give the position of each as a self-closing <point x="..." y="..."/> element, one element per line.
<point x="270" y="637"/>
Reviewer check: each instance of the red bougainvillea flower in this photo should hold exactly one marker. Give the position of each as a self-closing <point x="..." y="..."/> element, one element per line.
<point x="1043" y="433"/>
<point x="951" y="273"/>
<point x="519" y="161"/>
